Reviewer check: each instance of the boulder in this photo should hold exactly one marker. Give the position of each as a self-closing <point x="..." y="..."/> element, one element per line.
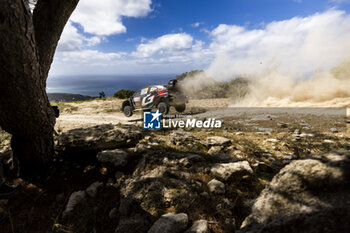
<point x="117" y="157"/>
<point x="310" y="195"/>
<point x="170" y="223"/>
<point x="75" y="199"/>
<point x="99" y="137"/>
<point x="218" y="141"/>
<point x="155" y="190"/>
<point x="134" y="224"/>
<point x="216" y="187"/>
<point x="181" y="138"/>
<point x="215" y="150"/>
<point x="91" y="191"/>
<point x="228" y="171"/>
<point x="199" y="226"/>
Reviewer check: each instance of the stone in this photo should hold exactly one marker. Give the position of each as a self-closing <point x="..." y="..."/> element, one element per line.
<point x="100" y="137"/>
<point x="205" y="195"/>
<point x="181" y="138"/>
<point x="116" y="157"/>
<point x="262" y="167"/>
<point x="132" y="225"/>
<point x="142" y="147"/>
<point x="91" y="191"/>
<point x="75" y="199"/>
<point x="309" y="195"/>
<point x="113" y="213"/>
<point x="170" y="223"/>
<point x="282" y="125"/>
<point x="306" y="135"/>
<point x="199" y="226"/>
<point x="216" y="187"/>
<point x="230" y="225"/>
<point x="272" y="140"/>
<point x="218" y="141"/>
<point x="228" y="171"/>
<point x="215" y="150"/>
<point x="334" y="130"/>
<point x="118" y="175"/>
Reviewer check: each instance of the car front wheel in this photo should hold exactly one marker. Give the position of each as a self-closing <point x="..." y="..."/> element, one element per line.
<point x="163" y="108"/>
<point x="128" y="111"/>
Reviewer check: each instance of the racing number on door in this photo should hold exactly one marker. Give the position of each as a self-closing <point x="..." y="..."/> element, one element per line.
<point x="147" y="100"/>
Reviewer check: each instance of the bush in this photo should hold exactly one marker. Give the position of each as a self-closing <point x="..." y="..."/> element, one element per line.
<point x="123" y="94"/>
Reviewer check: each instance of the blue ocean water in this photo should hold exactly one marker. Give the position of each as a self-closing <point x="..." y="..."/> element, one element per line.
<point x="93" y="84"/>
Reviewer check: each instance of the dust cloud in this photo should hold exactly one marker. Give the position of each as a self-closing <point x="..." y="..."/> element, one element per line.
<point x="300" y="62"/>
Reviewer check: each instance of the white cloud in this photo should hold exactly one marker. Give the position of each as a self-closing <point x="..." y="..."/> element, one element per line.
<point x="165" y="44"/>
<point x="339" y="1"/>
<point x="70" y="39"/>
<point x="298" y="45"/>
<point x="196" y="24"/>
<point x="88" y="56"/>
<point x="105" y="17"/>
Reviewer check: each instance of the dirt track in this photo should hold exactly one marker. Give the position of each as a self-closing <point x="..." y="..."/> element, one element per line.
<point x="90" y="113"/>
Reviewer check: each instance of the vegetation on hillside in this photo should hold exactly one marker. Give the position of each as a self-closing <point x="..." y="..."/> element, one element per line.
<point x="123" y="93"/>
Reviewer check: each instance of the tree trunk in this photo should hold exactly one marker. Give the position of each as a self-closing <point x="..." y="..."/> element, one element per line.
<point x="25" y="111"/>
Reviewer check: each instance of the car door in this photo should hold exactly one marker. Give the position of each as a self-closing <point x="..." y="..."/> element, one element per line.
<point x="136" y="99"/>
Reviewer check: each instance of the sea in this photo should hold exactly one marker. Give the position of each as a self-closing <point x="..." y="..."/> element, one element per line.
<point x="92" y="85"/>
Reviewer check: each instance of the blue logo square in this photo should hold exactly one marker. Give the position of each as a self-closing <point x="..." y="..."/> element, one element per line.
<point x="151" y="120"/>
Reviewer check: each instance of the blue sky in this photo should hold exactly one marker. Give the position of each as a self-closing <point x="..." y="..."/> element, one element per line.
<point x="174" y="36"/>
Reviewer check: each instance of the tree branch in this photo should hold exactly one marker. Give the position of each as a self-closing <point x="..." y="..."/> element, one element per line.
<point x="49" y="18"/>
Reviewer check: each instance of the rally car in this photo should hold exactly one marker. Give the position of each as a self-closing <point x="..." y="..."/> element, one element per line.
<point x="160" y="97"/>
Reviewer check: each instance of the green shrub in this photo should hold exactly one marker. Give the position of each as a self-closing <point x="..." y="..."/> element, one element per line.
<point x="123" y="93"/>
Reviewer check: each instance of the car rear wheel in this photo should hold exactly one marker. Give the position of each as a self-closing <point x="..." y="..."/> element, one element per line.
<point x="128" y="111"/>
<point x="180" y="108"/>
<point x="163" y="108"/>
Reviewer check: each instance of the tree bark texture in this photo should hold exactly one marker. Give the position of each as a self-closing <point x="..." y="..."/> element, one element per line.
<point x="25" y="110"/>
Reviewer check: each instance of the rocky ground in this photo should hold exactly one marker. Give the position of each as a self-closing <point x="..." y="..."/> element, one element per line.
<point x="262" y="172"/>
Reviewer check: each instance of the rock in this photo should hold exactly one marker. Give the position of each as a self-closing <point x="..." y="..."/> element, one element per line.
<point x="118" y="175"/>
<point x="134" y="224"/>
<point x="170" y="223"/>
<point x="99" y="137"/>
<point x="218" y="141"/>
<point x="60" y="197"/>
<point x="228" y="171"/>
<point x="181" y="138"/>
<point x="215" y="150"/>
<point x="282" y="125"/>
<point x="199" y="226"/>
<point x="142" y="147"/>
<point x="272" y="140"/>
<point x="310" y="195"/>
<point x="306" y="135"/>
<point x="205" y="195"/>
<point x="262" y="167"/>
<point x="230" y="225"/>
<point x="334" y="130"/>
<point x="265" y="130"/>
<point x="154" y="191"/>
<point x="113" y="213"/>
<point x="116" y="157"/>
<point x="91" y="191"/>
<point x="216" y="187"/>
<point x="75" y="199"/>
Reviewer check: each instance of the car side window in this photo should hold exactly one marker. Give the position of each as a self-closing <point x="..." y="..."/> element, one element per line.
<point x="144" y="91"/>
<point x="153" y="89"/>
